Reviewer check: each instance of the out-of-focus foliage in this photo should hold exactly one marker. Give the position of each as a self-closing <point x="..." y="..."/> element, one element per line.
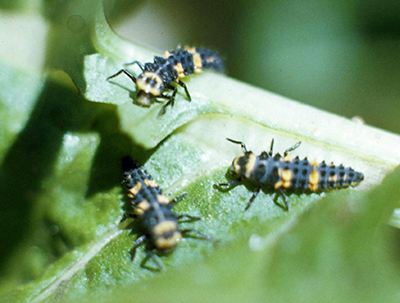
<point x="341" y="56"/>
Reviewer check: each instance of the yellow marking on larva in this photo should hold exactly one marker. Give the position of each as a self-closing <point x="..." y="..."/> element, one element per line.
<point x="197" y="63"/>
<point x="134" y="190"/>
<point x="159" y="232"/>
<point x="162" y="199"/>
<point x="333" y="178"/>
<point x="345" y="178"/>
<point x="196" y="58"/>
<point x="314" y="163"/>
<point x="167" y="54"/>
<point x="150" y="183"/>
<point x="287" y="158"/>
<point x="287" y="176"/>
<point x="164" y="227"/>
<point x="313" y="180"/>
<point x="179" y="69"/>
<point x="287" y="184"/>
<point x="279" y="184"/>
<point x="210" y="59"/>
<point x="141" y="207"/>
<point x="235" y="165"/>
<point x="143" y="85"/>
<point x="250" y="165"/>
<point x="354" y="183"/>
<point x="189" y="49"/>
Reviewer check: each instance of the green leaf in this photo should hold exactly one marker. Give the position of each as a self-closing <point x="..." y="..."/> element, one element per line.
<point x="60" y="178"/>
<point x="334" y="253"/>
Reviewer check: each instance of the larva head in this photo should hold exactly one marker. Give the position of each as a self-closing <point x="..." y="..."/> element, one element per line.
<point x="244" y="164"/>
<point x="358" y="177"/>
<point x="144" y="99"/>
<point x="149" y="86"/>
<point x="166" y="235"/>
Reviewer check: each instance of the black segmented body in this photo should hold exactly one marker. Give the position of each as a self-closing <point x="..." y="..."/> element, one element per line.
<point x="163" y="69"/>
<point x="158" y="76"/>
<point x="135" y="176"/>
<point x="154" y="210"/>
<point x="283" y="172"/>
<point x="209" y="60"/>
<point x="182" y="57"/>
<point x="269" y="172"/>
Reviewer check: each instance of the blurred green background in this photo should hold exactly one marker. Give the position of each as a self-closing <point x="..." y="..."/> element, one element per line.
<point x="340" y="56"/>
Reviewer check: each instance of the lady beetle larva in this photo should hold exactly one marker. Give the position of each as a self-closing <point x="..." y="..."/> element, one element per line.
<point x="285" y="173"/>
<point x="158" y="76"/>
<point x="154" y="210"/>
